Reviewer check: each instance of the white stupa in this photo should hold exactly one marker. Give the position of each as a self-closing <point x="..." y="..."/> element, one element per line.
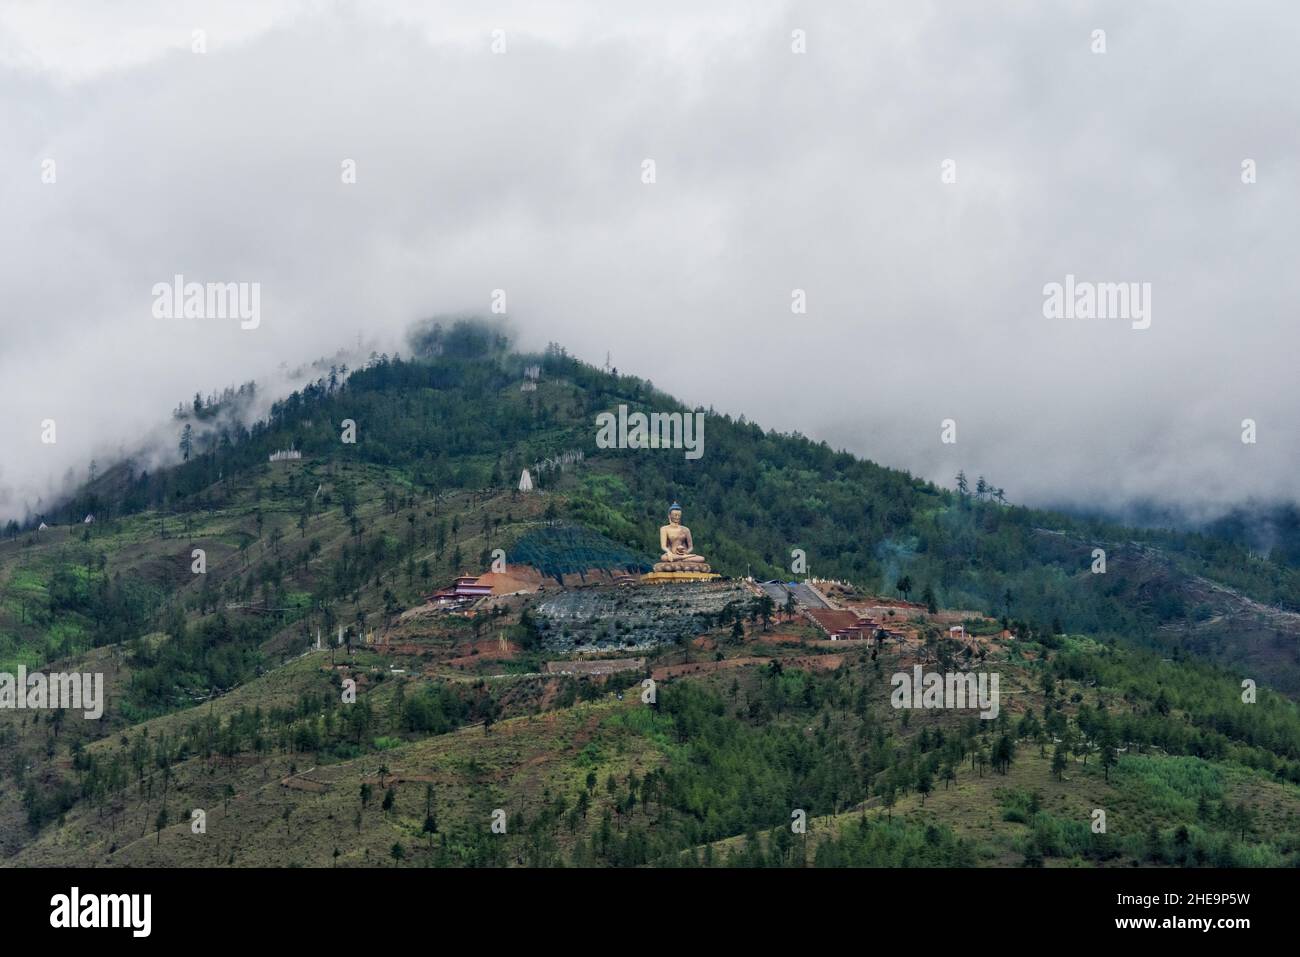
<point x="525" y="482"/>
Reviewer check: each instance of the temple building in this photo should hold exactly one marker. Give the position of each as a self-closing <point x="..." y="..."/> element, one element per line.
<point x="463" y="591"/>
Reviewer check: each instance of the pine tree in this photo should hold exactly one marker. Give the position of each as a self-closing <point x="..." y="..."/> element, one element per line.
<point x="1059" y="762"/>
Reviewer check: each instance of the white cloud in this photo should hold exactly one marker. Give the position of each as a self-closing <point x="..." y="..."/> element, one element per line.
<point x="775" y="171"/>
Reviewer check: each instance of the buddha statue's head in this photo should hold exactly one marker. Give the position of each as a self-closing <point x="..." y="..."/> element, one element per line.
<point x="675" y="514"/>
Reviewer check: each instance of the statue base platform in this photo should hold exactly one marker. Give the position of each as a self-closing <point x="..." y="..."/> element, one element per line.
<point x="654" y="578"/>
<point x="693" y="567"/>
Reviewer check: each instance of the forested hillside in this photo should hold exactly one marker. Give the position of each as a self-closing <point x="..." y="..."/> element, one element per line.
<point x="451" y="417"/>
<point x="1123" y="689"/>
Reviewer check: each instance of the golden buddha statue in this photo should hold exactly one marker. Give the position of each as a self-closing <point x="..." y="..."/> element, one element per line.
<point x="678" y="547"/>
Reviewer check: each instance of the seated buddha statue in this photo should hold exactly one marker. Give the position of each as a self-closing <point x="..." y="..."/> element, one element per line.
<point x="678" y="547"/>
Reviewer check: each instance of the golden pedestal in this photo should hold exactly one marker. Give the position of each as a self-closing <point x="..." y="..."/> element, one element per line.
<point x="654" y="578"/>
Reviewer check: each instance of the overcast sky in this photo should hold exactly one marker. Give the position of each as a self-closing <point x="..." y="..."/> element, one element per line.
<point x="775" y="170"/>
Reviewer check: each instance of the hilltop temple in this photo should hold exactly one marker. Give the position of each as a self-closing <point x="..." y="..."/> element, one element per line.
<point x="678" y="561"/>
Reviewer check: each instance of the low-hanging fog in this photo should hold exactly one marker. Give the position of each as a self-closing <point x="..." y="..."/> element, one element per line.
<point x="129" y="158"/>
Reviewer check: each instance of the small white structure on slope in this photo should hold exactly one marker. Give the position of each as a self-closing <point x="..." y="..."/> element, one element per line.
<point x="525" y="482"/>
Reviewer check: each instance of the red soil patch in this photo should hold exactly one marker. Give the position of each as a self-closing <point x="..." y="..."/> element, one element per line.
<point x="519" y="578"/>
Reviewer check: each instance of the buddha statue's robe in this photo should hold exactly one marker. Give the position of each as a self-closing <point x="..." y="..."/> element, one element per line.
<point x="678" y="548"/>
